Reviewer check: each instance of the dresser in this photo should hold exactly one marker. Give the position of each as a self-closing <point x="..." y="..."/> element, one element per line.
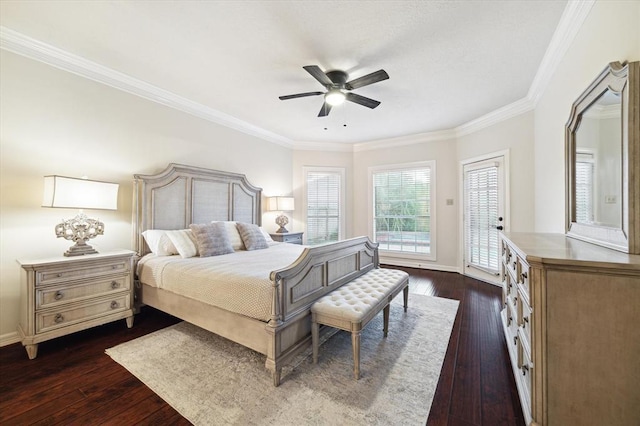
<point x="570" y="319"/>
<point x="62" y="295"/>
<point x="289" y="237"/>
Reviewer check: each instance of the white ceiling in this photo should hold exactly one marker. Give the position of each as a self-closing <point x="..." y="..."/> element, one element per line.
<point x="449" y="62"/>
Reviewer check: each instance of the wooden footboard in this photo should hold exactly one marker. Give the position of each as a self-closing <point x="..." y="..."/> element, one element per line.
<point x="318" y="271"/>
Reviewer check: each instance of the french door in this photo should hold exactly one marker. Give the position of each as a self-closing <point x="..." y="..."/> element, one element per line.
<point x="483" y="217"/>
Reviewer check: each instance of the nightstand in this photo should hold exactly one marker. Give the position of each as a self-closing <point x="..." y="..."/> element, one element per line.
<point x="62" y="295"/>
<point x="289" y="237"/>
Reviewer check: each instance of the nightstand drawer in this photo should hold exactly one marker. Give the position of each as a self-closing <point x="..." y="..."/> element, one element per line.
<point x="56" y="275"/>
<point x="291" y="238"/>
<point x="57" y="295"/>
<point x="50" y="320"/>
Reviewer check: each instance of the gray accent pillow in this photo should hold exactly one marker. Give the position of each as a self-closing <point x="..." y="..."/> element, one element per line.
<point x="252" y="236"/>
<point x="212" y="239"/>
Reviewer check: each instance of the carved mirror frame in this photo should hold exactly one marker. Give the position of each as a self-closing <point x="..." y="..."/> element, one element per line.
<point x="624" y="80"/>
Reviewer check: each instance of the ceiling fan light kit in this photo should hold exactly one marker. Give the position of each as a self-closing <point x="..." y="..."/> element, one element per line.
<point x="334" y="97"/>
<point x="339" y="89"/>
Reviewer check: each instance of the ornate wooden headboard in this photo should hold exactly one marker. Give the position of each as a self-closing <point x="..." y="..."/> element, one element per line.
<point x="181" y="195"/>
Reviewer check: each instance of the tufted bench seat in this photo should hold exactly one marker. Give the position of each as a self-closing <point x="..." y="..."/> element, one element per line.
<point x="351" y="306"/>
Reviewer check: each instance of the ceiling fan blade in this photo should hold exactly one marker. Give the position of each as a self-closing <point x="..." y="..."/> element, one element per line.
<point x="324" y="111"/>
<point x="318" y="74"/>
<point x="366" y="80"/>
<point x="299" y="95"/>
<point x="368" y="102"/>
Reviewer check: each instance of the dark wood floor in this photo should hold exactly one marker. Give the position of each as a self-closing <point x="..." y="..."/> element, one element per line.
<point x="72" y="381"/>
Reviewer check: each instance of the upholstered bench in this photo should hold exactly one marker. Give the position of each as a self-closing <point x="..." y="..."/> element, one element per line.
<point x="351" y="306"/>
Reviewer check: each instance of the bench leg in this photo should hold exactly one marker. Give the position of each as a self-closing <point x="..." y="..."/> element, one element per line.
<point x="355" y="343"/>
<point x="385" y="315"/>
<point x="406" y="297"/>
<point x="315" y="330"/>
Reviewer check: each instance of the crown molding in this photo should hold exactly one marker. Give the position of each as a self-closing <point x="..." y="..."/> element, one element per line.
<point x="20" y="44"/>
<point x="494" y="117"/>
<point x="570" y="23"/>
<point x="323" y="146"/>
<point x="405" y="140"/>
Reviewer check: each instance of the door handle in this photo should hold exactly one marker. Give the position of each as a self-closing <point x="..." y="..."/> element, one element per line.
<point x="499" y="227"/>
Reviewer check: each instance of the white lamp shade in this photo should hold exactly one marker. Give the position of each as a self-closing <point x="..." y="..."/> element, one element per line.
<point x="281" y="204"/>
<point x="73" y="193"/>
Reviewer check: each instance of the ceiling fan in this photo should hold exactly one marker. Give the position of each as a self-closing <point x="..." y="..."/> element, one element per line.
<point x="339" y="89"/>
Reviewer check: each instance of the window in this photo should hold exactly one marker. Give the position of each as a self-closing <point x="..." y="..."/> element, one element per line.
<point x="403" y="209"/>
<point x="584" y="187"/>
<point x="324" y="194"/>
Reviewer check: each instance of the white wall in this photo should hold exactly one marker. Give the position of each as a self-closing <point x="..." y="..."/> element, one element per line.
<point x="54" y="122"/>
<point x="443" y="152"/>
<point x="514" y="135"/>
<point x="308" y="158"/>
<point x="610" y="33"/>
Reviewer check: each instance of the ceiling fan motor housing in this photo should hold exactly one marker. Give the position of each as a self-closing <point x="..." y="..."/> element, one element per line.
<point x="339" y="78"/>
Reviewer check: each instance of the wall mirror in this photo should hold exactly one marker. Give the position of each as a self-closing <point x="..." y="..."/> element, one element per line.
<point x="602" y="142"/>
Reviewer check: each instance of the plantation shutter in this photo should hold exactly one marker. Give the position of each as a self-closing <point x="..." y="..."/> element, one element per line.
<point x="482" y="203"/>
<point x="323" y="206"/>
<point x="584" y="187"/>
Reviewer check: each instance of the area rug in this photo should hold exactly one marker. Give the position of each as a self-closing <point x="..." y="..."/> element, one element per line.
<point x="213" y="381"/>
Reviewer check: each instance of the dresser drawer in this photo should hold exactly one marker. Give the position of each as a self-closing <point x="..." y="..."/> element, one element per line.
<point x="58" y="275"/>
<point x="522" y="277"/>
<point x="56" y="295"/>
<point x="512" y="319"/>
<point x="63" y="317"/>
<point x="525" y="373"/>
<point x="525" y="320"/>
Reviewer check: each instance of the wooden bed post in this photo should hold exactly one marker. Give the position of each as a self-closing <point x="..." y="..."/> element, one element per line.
<point x="276" y="317"/>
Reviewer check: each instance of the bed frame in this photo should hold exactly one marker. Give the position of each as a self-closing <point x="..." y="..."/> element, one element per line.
<point x="181" y="195"/>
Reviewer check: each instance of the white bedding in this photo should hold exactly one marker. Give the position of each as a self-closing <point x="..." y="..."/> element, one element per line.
<point x="238" y="282"/>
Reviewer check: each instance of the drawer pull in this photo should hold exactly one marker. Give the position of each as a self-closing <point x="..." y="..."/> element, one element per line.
<point x="59" y="275"/>
<point x="525" y="320"/>
<point x="525" y="368"/>
<point x="524" y="276"/>
<point x="515" y="340"/>
<point x="58" y="318"/>
<point x="114" y="305"/>
<point x="115" y="284"/>
<point x="59" y="295"/>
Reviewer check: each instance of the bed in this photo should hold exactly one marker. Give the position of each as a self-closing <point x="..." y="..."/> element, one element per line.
<point x="182" y="195"/>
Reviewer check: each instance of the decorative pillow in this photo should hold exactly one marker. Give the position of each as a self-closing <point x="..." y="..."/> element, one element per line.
<point x="252" y="236"/>
<point x="234" y="235"/>
<point x="159" y="243"/>
<point x="212" y="239"/>
<point x="184" y="242"/>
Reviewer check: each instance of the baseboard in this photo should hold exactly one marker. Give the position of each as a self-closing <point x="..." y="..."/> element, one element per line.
<point x="9" y="339"/>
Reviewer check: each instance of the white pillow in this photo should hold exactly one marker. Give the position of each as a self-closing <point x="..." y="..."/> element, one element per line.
<point x="184" y="241"/>
<point x="159" y="243"/>
<point x="266" y="235"/>
<point x="234" y="235"/>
